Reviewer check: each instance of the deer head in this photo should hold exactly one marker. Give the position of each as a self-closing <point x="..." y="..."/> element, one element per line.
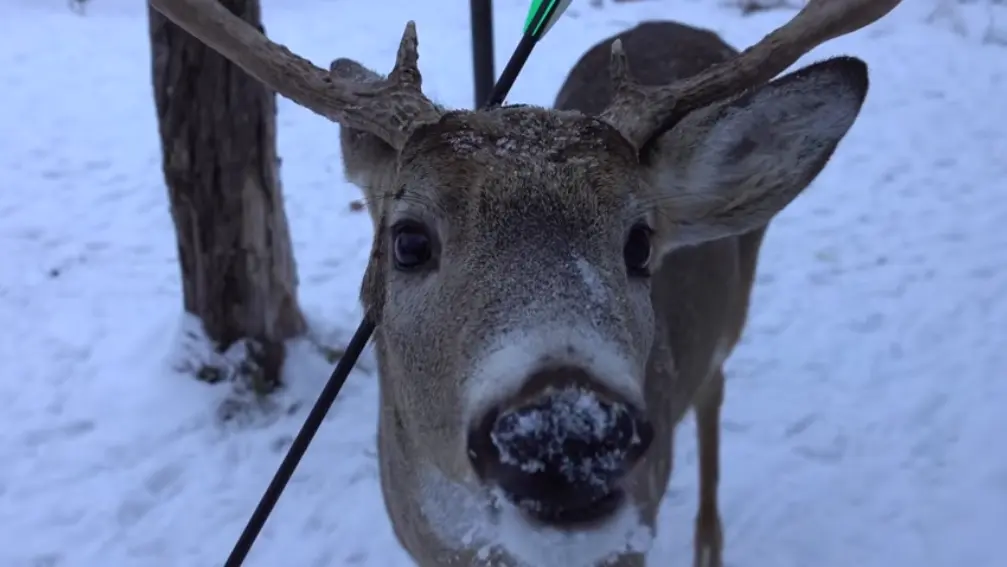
<point x="509" y="275"/>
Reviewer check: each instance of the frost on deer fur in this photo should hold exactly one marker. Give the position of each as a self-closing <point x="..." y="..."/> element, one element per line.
<point x="500" y="370"/>
<point x="593" y="281"/>
<point x="534" y="546"/>
<point x="464" y="518"/>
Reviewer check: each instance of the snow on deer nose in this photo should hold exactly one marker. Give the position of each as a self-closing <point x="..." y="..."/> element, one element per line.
<point x="560" y="448"/>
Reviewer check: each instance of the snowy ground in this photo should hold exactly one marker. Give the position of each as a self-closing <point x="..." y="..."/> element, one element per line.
<point x="865" y="415"/>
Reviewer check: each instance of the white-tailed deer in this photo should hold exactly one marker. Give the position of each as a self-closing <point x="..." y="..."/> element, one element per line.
<point x="553" y="289"/>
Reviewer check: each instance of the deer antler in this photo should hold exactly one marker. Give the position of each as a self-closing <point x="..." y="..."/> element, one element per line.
<point x="639" y="111"/>
<point x="389" y="108"/>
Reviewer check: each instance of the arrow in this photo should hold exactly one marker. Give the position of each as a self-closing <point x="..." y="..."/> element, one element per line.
<point x="538" y="23"/>
<point x="541" y="16"/>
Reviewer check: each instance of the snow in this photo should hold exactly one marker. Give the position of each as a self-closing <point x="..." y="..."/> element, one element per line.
<point x="864" y="419"/>
<point x="533" y="438"/>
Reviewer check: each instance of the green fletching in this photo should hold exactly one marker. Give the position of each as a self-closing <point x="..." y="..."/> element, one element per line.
<point x="530" y="23"/>
<point x="542" y="15"/>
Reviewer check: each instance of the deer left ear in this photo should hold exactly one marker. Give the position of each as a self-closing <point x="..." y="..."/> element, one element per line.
<point x="730" y="167"/>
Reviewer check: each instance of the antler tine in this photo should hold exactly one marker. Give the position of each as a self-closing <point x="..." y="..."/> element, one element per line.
<point x="618" y="67"/>
<point x="389" y="108"/>
<point x="639" y="111"/>
<point x="406" y="70"/>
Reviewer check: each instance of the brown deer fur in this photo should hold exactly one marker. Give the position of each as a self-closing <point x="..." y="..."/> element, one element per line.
<point x="517" y="188"/>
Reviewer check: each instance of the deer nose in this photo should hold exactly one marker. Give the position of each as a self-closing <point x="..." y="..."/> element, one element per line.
<point x="559" y="450"/>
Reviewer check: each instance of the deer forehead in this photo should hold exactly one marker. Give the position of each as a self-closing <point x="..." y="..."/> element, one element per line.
<point x="523" y="166"/>
<point x="522" y="133"/>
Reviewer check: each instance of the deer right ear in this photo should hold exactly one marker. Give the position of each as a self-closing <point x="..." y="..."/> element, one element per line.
<point x="372" y="287"/>
<point x="368" y="162"/>
<point x="730" y="167"/>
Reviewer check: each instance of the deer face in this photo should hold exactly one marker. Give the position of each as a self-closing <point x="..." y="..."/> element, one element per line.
<point x="516" y="316"/>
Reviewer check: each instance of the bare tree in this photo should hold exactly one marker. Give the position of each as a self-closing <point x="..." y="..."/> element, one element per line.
<point x="218" y="139"/>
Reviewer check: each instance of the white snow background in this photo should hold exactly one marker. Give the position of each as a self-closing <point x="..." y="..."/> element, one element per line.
<point x="866" y="409"/>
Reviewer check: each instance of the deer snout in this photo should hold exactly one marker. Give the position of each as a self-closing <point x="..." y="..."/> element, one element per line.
<point x="560" y="448"/>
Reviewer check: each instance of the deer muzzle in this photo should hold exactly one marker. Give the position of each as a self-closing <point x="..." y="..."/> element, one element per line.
<point x="561" y="448"/>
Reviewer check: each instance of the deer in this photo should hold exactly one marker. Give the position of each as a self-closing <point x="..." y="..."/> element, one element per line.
<point x="553" y="289"/>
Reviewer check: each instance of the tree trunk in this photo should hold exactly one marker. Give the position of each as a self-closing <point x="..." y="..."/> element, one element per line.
<point x="218" y="142"/>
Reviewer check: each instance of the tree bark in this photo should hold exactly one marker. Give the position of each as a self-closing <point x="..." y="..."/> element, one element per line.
<point x="218" y="140"/>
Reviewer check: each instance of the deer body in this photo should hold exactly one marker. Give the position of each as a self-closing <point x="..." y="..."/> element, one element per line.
<point x="700" y="293"/>
<point x="554" y="288"/>
<point x="700" y="300"/>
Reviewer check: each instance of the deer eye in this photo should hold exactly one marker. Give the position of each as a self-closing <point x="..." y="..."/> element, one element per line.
<point x="412" y="245"/>
<point x="637" y="250"/>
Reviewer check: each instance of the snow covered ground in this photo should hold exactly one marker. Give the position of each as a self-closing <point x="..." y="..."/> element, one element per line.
<point x="865" y="411"/>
